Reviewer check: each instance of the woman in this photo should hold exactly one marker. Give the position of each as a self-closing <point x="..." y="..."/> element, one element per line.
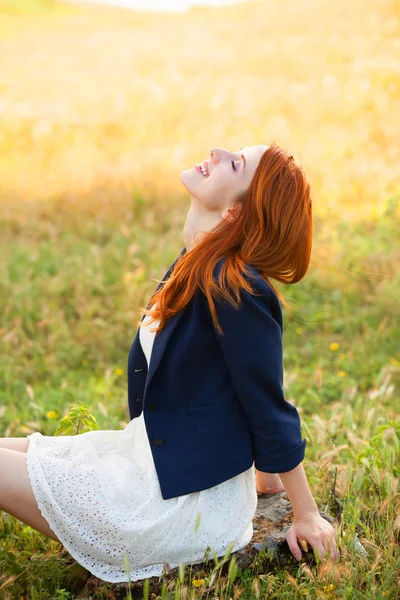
<point x="179" y="480"/>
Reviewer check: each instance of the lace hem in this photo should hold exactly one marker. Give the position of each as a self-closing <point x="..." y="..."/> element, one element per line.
<point x="110" y="573"/>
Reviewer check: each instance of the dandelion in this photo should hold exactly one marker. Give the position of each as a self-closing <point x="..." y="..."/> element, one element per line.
<point x="334" y="346"/>
<point x="329" y="587"/>
<point x="198" y="582"/>
<point x="342" y="373"/>
<point x="119" y="371"/>
<point x="52" y="414"/>
<point x="299" y="330"/>
<point x="394" y="362"/>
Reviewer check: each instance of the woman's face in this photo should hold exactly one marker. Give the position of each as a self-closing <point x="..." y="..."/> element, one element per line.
<point x="225" y="175"/>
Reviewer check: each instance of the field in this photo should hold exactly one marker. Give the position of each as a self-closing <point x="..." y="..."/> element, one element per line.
<point x="100" y="109"/>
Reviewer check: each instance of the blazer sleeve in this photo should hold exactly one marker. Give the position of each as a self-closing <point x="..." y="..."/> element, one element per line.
<point x="252" y="346"/>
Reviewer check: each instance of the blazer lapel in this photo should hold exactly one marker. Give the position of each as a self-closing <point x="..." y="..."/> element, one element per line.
<point x="161" y="338"/>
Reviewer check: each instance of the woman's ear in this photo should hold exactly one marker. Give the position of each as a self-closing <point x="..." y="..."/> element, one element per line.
<point x="232" y="212"/>
<point x="226" y="214"/>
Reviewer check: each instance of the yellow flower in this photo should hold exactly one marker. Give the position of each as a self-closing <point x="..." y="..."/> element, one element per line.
<point x="299" y="330"/>
<point x="334" y="346"/>
<point x="119" y="371"/>
<point x="198" y="582"/>
<point x="85" y="362"/>
<point x="342" y="356"/>
<point x="329" y="588"/>
<point x="394" y="362"/>
<point x="342" y="373"/>
<point x="52" y="414"/>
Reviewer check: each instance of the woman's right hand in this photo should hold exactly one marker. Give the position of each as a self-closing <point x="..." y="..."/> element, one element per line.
<point x="315" y="530"/>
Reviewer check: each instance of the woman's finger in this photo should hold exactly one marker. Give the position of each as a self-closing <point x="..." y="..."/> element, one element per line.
<point x="326" y="547"/>
<point x="319" y="550"/>
<point x="329" y="543"/>
<point x="333" y="547"/>
<point x="291" y="539"/>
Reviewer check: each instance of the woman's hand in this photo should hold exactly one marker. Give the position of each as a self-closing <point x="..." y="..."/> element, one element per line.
<point x="315" y="530"/>
<point x="268" y="483"/>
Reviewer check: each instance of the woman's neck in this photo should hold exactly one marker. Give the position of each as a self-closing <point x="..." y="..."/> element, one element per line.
<point x="198" y="221"/>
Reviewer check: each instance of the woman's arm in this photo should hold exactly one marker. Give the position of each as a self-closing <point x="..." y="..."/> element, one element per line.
<point x="294" y="483"/>
<point x="299" y="493"/>
<point x="308" y="524"/>
<point x="251" y="343"/>
<point x="252" y="346"/>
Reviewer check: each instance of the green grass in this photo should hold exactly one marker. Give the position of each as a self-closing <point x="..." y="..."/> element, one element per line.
<point x="70" y="302"/>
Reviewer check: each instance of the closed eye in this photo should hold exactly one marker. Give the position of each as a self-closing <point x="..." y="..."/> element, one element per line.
<point x="233" y="165"/>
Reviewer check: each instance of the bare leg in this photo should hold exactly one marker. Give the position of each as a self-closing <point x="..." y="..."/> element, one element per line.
<point x="16" y="495"/>
<point x="18" y="443"/>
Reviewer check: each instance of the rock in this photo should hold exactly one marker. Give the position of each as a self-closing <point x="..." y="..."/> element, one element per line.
<point x="267" y="551"/>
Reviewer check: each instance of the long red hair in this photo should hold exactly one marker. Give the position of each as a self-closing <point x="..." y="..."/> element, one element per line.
<point x="272" y="231"/>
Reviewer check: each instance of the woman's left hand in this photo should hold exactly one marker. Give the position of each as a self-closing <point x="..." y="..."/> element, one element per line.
<point x="313" y="529"/>
<point x="268" y="483"/>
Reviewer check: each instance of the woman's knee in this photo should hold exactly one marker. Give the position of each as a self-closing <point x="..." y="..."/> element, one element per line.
<point x="18" y="443"/>
<point x="16" y="494"/>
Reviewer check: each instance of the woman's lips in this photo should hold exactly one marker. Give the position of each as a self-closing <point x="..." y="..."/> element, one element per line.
<point x="206" y="167"/>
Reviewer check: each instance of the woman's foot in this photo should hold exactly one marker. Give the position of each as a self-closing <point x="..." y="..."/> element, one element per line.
<point x="268" y="483"/>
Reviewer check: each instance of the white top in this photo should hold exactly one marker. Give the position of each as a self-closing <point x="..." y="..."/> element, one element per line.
<point x="100" y="494"/>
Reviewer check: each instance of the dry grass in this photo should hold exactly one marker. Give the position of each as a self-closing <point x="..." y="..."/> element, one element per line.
<point x="99" y="101"/>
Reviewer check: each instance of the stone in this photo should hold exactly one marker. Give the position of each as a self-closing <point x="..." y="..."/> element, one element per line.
<point x="267" y="551"/>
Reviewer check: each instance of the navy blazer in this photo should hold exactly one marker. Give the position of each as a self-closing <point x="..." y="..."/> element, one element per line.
<point x="213" y="404"/>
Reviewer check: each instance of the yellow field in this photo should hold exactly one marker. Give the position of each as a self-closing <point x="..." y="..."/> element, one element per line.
<point x="96" y="102"/>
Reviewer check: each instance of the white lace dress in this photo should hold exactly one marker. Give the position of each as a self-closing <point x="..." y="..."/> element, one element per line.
<point x="100" y="494"/>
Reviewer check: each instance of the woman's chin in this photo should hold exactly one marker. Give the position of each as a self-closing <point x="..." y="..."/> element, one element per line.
<point x="183" y="176"/>
<point x="188" y="179"/>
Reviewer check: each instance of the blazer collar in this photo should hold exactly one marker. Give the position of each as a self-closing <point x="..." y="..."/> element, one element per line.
<point x="162" y="337"/>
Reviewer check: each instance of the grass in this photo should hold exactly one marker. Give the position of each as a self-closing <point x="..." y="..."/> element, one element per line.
<point x="101" y="109"/>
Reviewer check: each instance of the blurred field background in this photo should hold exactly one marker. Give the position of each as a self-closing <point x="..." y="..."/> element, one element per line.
<point x="100" y="110"/>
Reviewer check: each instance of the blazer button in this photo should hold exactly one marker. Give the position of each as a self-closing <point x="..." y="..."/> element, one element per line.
<point x="152" y="406"/>
<point x="158" y="442"/>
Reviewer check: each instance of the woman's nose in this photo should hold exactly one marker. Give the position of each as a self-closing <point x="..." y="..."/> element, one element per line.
<point x="216" y="154"/>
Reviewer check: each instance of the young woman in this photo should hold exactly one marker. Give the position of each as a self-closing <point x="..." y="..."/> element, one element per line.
<point x="209" y="422"/>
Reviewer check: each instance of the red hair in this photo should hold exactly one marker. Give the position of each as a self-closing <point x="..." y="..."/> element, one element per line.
<point x="272" y="232"/>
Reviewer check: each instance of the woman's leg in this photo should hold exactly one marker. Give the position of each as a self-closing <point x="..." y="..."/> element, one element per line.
<point x="16" y="495"/>
<point x="18" y="443"/>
